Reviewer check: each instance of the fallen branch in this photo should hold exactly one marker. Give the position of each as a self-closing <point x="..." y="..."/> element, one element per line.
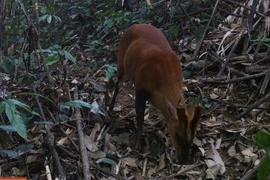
<point x="223" y="81"/>
<point x="256" y="104"/>
<point x="85" y="161"/>
<point x="236" y="105"/>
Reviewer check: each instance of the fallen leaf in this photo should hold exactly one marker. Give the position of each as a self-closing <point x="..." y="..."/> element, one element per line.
<point x="249" y="155"/>
<point x="31" y="158"/>
<point x="162" y="163"/>
<point x="132" y="162"/>
<point x="212" y="172"/>
<point x="62" y="141"/>
<point x="214" y="96"/>
<point x="232" y="151"/>
<point x="90" y="145"/>
<point x="214" y="155"/>
<point x="151" y="171"/>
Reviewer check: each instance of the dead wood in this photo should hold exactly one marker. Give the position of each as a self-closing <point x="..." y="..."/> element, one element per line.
<point x="84" y="154"/>
<point x="256" y="104"/>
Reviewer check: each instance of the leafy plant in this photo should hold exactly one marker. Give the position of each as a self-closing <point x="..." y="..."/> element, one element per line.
<point x="262" y="140"/>
<point x="16" y="118"/>
<point x="55" y="52"/>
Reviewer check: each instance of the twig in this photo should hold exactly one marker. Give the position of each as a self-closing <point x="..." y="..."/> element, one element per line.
<point x="187" y="16"/>
<point x="105" y="171"/>
<point x="256" y="104"/>
<point x="223" y="81"/>
<point x="232" y="50"/>
<point x="246" y="7"/>
<point x="62" y="130"/>
<point x="50" y="140"/>
<point x="85" y="161"/>
<point x="205" y="31"/>
<point x="182" y="171"/>
<point x="236" y="105"/>
<point x="265" y="82"/>
<point x="98" y="70"/>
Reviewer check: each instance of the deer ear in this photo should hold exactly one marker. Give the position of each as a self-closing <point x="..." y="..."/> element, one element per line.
<point x="182" y="118"/>
<point x="196" y="118"/>
<point x="171" y="110"/>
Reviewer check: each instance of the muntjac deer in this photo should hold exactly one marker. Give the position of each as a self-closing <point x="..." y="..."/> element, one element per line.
<point x="146" y="58"/>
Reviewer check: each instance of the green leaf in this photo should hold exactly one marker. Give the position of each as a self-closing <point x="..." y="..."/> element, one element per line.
<point x="49" y="19"/>
<point x="63" y="117"/>
<point x="10" y="153"/>
<point x="16" y="120"/>
<point x="22" y="105"/>
<point x="174" y="30"/>
<point x="57" y="18"/>
<point x="69" y="57"/>
<point x="52" y="59"/>
<point x="110" y="71"/>
<point x="262" y="139"/>
<point x="264" y="168"/>
<point x="18" y="103"/>
<point x="42" y="18"/>
<point x="25" y="147"/>
<point x="79" y="104"/>
<point x="106" y="160"/>
<point x="2" y="106"/>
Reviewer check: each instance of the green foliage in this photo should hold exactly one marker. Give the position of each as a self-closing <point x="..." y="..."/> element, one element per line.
<point x="80" y="104"/>
<point x="174" y="30"/>
<point x="16" y="118"/>
<point x="110" y="71"/>
<point x="262" y="140"/>
<point x="191" y="69"/>
<point x="106" y="160"/>
<point x="25" y="147"/>
<point x="10" y="153"/>
<point x="49" y="18"/>
<point x="55" y="53"/>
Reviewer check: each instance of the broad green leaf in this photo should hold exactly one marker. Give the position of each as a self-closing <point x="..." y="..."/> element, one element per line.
<point x="2" y="106"/>
<point x="25" y="147"/>
<point x="262" y="139"/>
<point x="42" y="18"/>
<point x="16" y="120"/>
<point x="10" y="153"/>
<point x="18" y="103"/>
<point x="57" y="18"/>
<point x="18" y="124"/>
<point x="79" y="104"/>
<point x="52" y="59"/>
<point x="22" y="105"/>
<point x="264" y="168"/>
<point x="69" y="57"/>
